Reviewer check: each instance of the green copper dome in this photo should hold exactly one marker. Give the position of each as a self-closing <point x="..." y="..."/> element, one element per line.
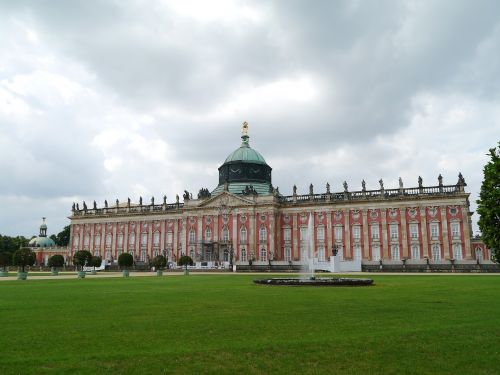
<point x="245" y="154"/>
<point x="41" y="242"/>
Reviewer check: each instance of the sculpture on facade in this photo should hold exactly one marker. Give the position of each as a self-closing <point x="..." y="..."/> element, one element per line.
<point x="164" y="199"/>
<point x="420" y="182"/>
<point x="249" y="190"/>
<point x="117" y="203"/>
<point x="381" y="182"/>
<point x="105" y="203"/>
<point x="311" y="189"/>
<point x="84" y="206"/>
<point x="327" y="188"/>
<point x="461" y="179"/>
<point x="78" y="207"/>
<point x="177" y="198"/>
<point x="346" y="188"/>
<point x="95" y="205"/>
<point x="363" y="185"/>
<point x="186" y="195"/>
<point x="204" y="193"/>
<point x="140" y="201"/>
<point x="73" y="207"/>
<point x="152" y="201"/>
<point x="440" y="180"/>
<point x="294" y="190"/>
<point x="128" y="202"/>
<point x="400" y="183"/>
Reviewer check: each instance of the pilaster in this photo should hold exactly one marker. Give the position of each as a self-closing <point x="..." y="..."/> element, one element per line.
<point x="366" y="247"/>
<point x="347" y="234"/>
<point x="444" y="234"/>
<point x="425" y="236"/>
<point x="404" y="232"/>
<point x="385" y="246"/>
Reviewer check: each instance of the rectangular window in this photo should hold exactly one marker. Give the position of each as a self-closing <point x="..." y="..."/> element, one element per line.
<point x="120" y="240"/>
<point x="144" y="239"/>
<point x="108" y="255"/>
<point x="192" y="236"/>
<point x="457" y="251"/>
<point x="321" y="233"/>
<point x="109" y="238"/>
<point x="263" y="234"/>
<point x="357" y="252"/>
<point x="156" y="239"/>
<point x="434" y="230"/>
<point x="170" y="238"/>
<point x="414" y="231"/>
<point x="375" y="232"/>
<point x="455" y="230"/>
<point x="376" y="253"/>
<point x="97" y="241"/>
<point x="338" y="233"/>
<point x="321" y="253"/>
<point x="436" y="252"/>
<point x="395" y="252"/>
<point x="303" y="234"/>
<point x="243" y="255"/>
<point x="287" y="234"/>
<point x="356" y="232"/>
<point x="288" y="254"/>
<point x="263" y="255"/>
<point x="415" y="252"/>
<point x="394" y="231"/>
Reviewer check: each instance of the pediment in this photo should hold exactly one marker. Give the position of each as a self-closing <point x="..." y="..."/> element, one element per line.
<point x="226" y="199"/>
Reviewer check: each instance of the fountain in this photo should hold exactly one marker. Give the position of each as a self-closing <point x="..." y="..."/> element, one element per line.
<point x="308" y="274"/>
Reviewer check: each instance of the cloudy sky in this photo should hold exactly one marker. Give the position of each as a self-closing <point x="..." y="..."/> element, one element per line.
<point x="115" y="99"/>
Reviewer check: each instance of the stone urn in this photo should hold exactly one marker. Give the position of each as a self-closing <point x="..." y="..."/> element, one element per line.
<point x="159" y="273"/>
<point x="54" y="271"/>
<point x="4" y="273"/>
<point x="93" y="272"/>
<point x="81" y="274"/>
<point x="125" y="273"/>
<point x="22" y="275"/>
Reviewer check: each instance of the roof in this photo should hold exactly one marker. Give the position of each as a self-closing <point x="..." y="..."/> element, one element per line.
<point x="245" y="154"/>
<point x="41" y="242"/>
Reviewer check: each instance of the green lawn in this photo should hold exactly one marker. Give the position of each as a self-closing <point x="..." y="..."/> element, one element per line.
<point x="227" y="324"/>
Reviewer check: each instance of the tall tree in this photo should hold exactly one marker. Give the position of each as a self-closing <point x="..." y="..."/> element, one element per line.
<point x="63" y="237"/>
<point x="489" y="203"/>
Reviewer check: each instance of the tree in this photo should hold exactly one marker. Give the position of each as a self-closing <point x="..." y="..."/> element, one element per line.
<point x="23" y="257"/>
<point x="185" y="260"/>
<point x="62" y="238"/>
<point x="5" y="260"/>
<point x="96" y="262"/>
<point x="488" y="204"/>
<point x="159" y="262"/>
<point x="56" y="261"/>
<point x="125" y="260"/>
<point x="82" y="258"/>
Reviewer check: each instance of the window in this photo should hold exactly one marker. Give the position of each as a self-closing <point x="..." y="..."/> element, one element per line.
<point x="208" y="234"/>
<point x="434" y="230"/>
<point x="375" y="232"/>
<point x="226" y="255"/>
<point x="263" y="234"/>
<point x="191" y="253"/>
<point x="170" y="238"/>
<point x="192" y="236"/>
<point x="120" y="240"/>
<point x="108" y="255"/>
<point x="86" y="240"/>
<point x="415" y="252"/>
<point x="156" y="239"/>
<point x="97" y="253"/>
<point x="436" y="252"/>
<point x="376" y="253"/>
<point x="321" y="253"/>
<point x="243" y="255"/>
<point x="225" y="234"/>
<point x="263" y="255"/>
<point x="131" y="239"/>
<point x="395" y="252"/>
<point x="457" y="251"/>
<point x="455" y="230"/>
<point x="303" y="233"/>
<point x="144" y="239"/>
<point x="338" y="233"/>
<point x="394" y="231"/>
<point x="357" y="252"/>
<point x="303" y="253"/>
<point x="75" y="242"/>
<point x="414" y="231"/>
<point x="288" y="254"/>
<point x="109" y="239"/>
<point x="356" y="232"/>
<point x="479" y="253"/>
<point x="143" y="256"/>
<point x="287" y="234"/>
<point x="97" y="241"/>
<point x="243" y="235"/>
<point x="321" y="233"/>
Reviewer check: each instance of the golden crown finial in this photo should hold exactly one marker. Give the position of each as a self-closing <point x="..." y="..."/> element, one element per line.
<point x="244" y="128"/>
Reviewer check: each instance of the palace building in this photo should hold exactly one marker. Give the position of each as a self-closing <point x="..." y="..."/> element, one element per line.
<point x="245" y="220"/>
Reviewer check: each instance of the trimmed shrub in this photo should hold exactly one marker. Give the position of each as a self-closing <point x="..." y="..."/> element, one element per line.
<point x="125" y="260"/>
<point x="185" y="260"/>
<point x="159" y="262"/>
<point x="96" y="261"/>
<point x="5" y="260"/>
<point x="82" y="258"/>
<point x="23" y="257"/>
<point x="56" y="261"/>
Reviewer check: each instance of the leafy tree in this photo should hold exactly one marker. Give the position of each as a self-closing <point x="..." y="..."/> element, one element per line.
<point x="5" y="260"/>
<point x="81" y="258"/>
<point x="53" y="237"/>
<point x="185" y="260"/>
<point x="23" y="257"/>
<point x="125" y="260"/>
<point x="159" y="262"/>
<point x="62" y="238"/>
<point x="489" y="204"/>
<point x="11" y="244"/>
<point x="96" y="262"/>
<point x="56" y="261"/>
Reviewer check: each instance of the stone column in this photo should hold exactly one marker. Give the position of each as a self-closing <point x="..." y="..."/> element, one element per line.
<point x="114" y="238"/>
<point x="385" y="246"/>
<point x="92" y="239"/>
<point x="423" y="227"/>
<point x="150" y="239"/>
<point x="404" y="232"/>
<point x="366" y="246"/>
<point x="183" y="232"/>
<point x="125" y="238"/>
<point x="251" y="236"/>
<point x="175" y="240"/>
<point x="199" y="239"/>
<point x="271" y="234"/>
<point x="444" y="226"/>
<point x="347" y="234"/>
<point x="138" y="232"/>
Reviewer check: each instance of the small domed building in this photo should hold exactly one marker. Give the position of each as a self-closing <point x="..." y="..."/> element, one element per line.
<point x="42" y="240"/>
<point x="44" y="247"/>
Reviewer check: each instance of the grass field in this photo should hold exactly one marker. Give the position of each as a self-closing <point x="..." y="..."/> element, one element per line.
<point x="226" y="324"/>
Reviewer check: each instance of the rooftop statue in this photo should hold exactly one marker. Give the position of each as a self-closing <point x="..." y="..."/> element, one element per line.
<point x="381" y="182"/>
<point x="420" y="182"/>
<point x="327" y="188"/>
<point x="244" y="128"/>
<point x="95" y="205"/>
<point x="363" y="185"/>
<point x="311" y="189"/>
<point x="440" y="180"/>
<point x="294" y="190"/>
<point x="400" y="183"/>
<point x="105" y="203"/>
<point x="345" y="187"/>
<point x="164" y="199"/>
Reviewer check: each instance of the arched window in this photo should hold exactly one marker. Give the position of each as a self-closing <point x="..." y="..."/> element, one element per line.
<point x="131" y="239"/>
<point x="415" y="252"/>
<point x="192" y="235"/>
<point x="208" y="234"/>
<point x="97" y="241"/>
<point x="479" y="253"/>
<point x="156" y="239"/>
<point x="76" y="240"/>
<point x="109" y="238"/>
<point x="376" y="253"/>
<point x="225" y="234"/>
<point x="120" y="240"/>
<point x="263" y="255"/>
<point x="243" y="235"/>
<point x="288" y="254"/>
<point x="144" y="239"/>
<point x="395" y="252"/>
<point x="436" y="253"/>
<point x="457" y="251"/>
<point x="357" y="252"/>
<point x="243" y="255"/>
<point x="321" y="253"/>
<point x="263" y="234"/>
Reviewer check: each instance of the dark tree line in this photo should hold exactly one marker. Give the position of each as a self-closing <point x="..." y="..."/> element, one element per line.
<point x="10" y="244"/>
